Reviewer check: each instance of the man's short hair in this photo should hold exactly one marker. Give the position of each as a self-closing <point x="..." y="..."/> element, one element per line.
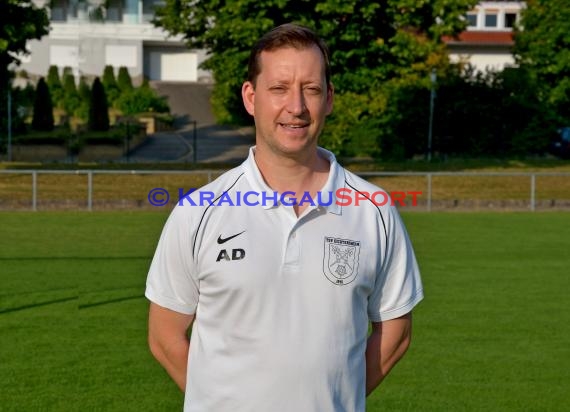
<point x="286" y="35"/>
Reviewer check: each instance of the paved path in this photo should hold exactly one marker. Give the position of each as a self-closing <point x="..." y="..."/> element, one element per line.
<point x="160" y="147"/>
<point x="189" y="103"/>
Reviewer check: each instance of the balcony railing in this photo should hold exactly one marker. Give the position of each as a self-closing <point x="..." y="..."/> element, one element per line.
<point x="118" y="11"/>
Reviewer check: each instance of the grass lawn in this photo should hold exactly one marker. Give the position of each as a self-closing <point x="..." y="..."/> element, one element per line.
<point x="493" y="333"/>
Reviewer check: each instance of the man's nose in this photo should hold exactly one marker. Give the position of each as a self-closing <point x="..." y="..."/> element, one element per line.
<point x="296" y="102"/>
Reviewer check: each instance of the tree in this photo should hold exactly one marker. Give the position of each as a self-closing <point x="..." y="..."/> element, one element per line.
<point x="83" y="89"/>
<point x="43" y="108"/>
<point x="109" y="76"/>
<point x="53" y="78"/>
<point x="20" y="21"/>
<point x="124" y="80"/>
<point x="71" y="99"/>
<point x="55" y="87"/>
<point x="110" y="84"/>
<point x="84" y="92"/>
<point x="542" y="46"/>
<point x="370" y="41"/>
<point x="98" y="109"/>
<point x="22" y="107"/>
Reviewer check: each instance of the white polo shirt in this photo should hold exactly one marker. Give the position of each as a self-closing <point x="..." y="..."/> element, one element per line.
<point x="282" y="302"/>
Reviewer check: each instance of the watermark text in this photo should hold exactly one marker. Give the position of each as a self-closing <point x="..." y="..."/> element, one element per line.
<point x="341" y="197"/>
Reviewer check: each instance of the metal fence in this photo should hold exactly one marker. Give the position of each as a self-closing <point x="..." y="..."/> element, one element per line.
<point x="424" y="191"/>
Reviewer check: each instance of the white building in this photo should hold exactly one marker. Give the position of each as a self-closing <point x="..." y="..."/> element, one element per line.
<point x="87" y="35"/>
<point x="487" y="43"/>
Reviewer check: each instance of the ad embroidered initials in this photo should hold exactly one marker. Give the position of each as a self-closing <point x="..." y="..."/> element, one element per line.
<point x="237" y="254"/>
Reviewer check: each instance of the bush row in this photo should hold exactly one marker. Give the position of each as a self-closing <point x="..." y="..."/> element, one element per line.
<point x="475" y="114"/>
<point x="83" y="107"/>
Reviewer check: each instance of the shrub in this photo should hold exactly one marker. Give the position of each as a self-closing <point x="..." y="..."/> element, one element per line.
<point x="71" y="98"/>
<point x="22" y="107"/>
<point x="84" y="93"/>
<point x="108" y="78"/>
<point x="114" y="136"/>
<point x="124" y="81"/>
<point x="53" y="76"/>
<point x="475" y="114"/>
<point x="141" y="100"/>
<point x="98" y="108"/>
<point x="110" y="84"/>
<point x="67" y="71"/>
<point x="43" y="108"/>
<point x="403" y="126"/>
<point x="57" y="136"/>
<point x="55" y="87"/>
<point x="83" y="89"/>
<point x="352" y="129"/>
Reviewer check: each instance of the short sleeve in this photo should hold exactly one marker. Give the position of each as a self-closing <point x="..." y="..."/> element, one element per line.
<point x="398" y="286"/>
<point x="171" y="282"/>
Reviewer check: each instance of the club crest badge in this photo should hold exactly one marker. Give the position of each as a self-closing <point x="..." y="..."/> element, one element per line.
<point x="340" y="263"/>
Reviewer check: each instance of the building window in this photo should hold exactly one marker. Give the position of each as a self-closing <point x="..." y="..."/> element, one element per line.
<point x="114" y="11"/>
<point x="72" y="6"/>
<point x="58" y="10"/>
<point x="510" y="19"/>
<point x="148" y="10"/>
<point x="472" y="20"/>
<point x="491" y="19"/>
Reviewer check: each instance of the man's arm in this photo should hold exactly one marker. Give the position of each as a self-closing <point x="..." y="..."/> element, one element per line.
<point x="386" y="345"/>
<point x="168" y="341"/>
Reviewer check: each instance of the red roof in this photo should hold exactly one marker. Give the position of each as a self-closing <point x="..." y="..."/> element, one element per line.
<point x="482" y="37"/>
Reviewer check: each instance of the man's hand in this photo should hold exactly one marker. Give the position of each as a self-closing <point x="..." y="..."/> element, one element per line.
<point x="168" y="341"/>
<point x="386" y="345"/>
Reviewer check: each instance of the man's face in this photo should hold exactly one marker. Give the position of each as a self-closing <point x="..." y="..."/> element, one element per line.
<point x="290" y="100"/>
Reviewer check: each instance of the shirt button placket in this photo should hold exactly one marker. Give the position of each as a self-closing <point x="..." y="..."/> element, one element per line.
<point x="292" y="253"/>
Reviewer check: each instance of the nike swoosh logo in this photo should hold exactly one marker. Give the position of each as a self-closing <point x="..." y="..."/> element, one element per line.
<point x="221" y="240"/>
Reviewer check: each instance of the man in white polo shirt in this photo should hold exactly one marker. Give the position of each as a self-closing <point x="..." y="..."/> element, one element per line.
<point x="278" y="293"/>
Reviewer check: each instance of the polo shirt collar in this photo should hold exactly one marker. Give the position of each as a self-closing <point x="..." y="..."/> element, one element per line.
<point x="334" y="181"/>
<point x="254" y="177"/>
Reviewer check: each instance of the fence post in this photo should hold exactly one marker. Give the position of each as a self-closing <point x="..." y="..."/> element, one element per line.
<point x="90" y="190"/>
<point x="194" y="144"/>
<point x="532" y="192"/>
<point x="429" y="192"/>
<point x="35" y="190"/>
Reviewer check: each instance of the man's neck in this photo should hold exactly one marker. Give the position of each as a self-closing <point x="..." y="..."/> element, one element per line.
<point x="299" y="174"/>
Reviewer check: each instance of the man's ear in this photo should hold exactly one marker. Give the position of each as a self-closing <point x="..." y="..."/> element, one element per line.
<point x="248" y="96"/>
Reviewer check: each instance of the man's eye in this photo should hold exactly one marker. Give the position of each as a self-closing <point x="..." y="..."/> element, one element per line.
<point x="314" y="90"/>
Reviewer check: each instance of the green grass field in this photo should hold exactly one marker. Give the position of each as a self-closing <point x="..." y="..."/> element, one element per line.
<point x="493" y="333"/>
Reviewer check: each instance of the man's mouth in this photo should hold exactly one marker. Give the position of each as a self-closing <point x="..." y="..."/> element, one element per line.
<point x="293" y="125"/>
